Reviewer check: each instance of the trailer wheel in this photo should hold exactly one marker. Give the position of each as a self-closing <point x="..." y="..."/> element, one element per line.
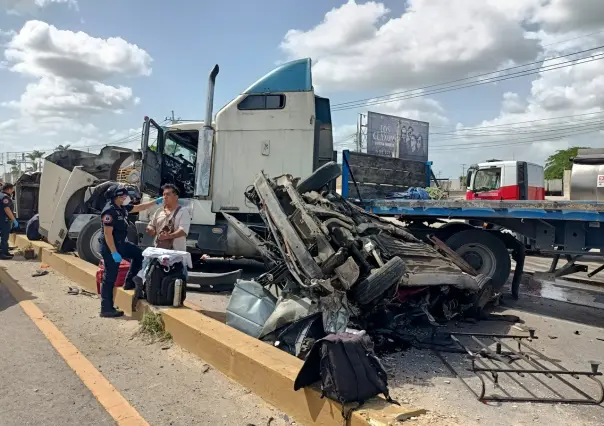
<point x="486" y="253"/>
<point x="380" y="281"/>
<point x="320" y="177"/>
<point x="87" y="244"/>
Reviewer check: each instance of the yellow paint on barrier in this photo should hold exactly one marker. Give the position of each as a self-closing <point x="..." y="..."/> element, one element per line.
<point x="108" y="396"/>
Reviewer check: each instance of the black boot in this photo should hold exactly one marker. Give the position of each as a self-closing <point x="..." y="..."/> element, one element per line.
<point x="113" y="313"/>
<point x="129" y="285"/>
<point x="6" y="256"/>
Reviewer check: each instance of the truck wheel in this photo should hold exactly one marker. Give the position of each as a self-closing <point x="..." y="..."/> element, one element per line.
<point x="87" y="244"/>
<point x="320" y="177"/>
<point x="486" y="253"/>
<point x="380" y="280"/>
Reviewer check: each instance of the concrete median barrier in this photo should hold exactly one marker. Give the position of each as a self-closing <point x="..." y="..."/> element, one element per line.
<point x="261" y="368"/>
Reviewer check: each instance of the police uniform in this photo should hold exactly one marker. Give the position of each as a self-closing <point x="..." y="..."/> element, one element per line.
<point x="5" y="223"/>
<point x="116" y="217"/>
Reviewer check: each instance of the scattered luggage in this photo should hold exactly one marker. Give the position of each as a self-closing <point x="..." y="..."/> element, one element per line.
<point x="162" y="281"/>
<point x="121" y="274"/>
<point x="249" y="307"/>
<point x="348" y="369"/>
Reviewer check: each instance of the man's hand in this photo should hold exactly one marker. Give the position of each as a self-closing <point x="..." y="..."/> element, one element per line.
<point x="150" y="231"/>
<point x="164" y="236"/>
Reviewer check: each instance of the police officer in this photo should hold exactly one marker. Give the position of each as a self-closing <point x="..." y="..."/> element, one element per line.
<point x="7" y="218"/>
<point x="114" y="245"/>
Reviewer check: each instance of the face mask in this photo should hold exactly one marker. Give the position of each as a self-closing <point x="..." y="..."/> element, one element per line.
<point x="126" y="201"/>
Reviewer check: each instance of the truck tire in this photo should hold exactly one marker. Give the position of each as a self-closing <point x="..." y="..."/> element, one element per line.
<point x="486" y="253"/>
<point x="320" y="177"/>
<point x="87" y="244"/>
<point x="379" y="281"/>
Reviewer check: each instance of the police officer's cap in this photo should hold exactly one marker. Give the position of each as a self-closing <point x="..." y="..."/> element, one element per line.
<point x="116" y="191"/>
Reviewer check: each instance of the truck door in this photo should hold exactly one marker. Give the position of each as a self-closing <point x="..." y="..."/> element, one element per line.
<point x="522" y="178"/>
<point x="152" y="147"/>
<point x="323" y="149"/>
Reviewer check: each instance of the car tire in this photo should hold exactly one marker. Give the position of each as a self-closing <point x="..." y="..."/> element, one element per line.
<point x="486" y="253"/>
<point x="86" y="238"/>
<point x="379" y="281"/>
<point x="320" y="177"/>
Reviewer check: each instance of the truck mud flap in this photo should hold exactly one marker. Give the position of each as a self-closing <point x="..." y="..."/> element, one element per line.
<point x="214" y="283"/>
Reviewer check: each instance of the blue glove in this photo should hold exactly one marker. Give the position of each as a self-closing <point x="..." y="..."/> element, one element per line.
<point x="159" y="200"/>
<point x="117" y="258"/>
<point x="15" y="223"/>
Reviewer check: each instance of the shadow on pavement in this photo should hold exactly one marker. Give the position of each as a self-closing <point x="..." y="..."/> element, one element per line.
<point x="6" y="298"/>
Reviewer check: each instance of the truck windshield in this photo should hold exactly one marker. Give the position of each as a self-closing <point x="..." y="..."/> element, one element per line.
<point x="487" y="180"/>
<point x="178" y="150"/>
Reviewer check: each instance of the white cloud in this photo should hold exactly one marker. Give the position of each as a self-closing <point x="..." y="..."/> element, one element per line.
<point x="362" y="46"/>
<point x="417" y="108"/>
<point x="53" y="96"/>
<point x="565" y="108"/>
<point x="562" y="16"/>
<point x="344" y="137"/>
<point x="359" y="46"/>
<point x="18" y="7"/>
<point x="40" y="50"/>
<point x="72" y="71"/>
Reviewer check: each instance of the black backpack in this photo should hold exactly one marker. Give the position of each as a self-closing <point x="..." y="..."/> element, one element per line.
<point x="348" y="369"/>
<point x="160" y="283"/>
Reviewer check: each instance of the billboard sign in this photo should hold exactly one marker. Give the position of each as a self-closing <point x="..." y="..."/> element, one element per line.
<point x="392" y="136"/>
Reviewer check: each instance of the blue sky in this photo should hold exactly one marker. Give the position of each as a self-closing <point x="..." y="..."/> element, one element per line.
<point x="362" y="49"/>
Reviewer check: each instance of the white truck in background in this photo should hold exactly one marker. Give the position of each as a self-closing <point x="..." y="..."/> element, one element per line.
<point x="277" y="125"/>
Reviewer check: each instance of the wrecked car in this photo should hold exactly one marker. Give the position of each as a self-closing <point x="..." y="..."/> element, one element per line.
<point x="343" y="267"/>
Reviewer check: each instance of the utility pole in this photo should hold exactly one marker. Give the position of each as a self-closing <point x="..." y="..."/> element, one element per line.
<point x="359" y="132"/>
<point x="172" y="118"/>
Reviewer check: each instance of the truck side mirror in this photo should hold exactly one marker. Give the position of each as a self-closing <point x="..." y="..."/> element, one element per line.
<point x="469" y="178"/>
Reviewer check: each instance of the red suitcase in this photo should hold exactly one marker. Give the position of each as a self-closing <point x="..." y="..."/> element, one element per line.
<point x="121" y="274"/>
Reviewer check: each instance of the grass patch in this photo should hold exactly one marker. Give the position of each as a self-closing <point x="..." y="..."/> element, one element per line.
<point x="152" y="326"/>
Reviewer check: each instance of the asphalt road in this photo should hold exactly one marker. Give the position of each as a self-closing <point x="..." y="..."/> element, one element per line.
<point x="164" y="384"/>
<point x="36" y="386"/>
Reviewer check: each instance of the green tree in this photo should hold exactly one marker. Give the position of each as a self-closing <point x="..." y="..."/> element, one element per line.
<point x="34" y="157"/>
<point x="62" y="148"/>
<point x="560" y="161"/>
<point x="462" y="180"/>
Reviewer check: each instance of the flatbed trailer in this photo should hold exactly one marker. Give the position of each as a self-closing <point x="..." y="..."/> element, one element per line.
<point x="486" y="233"/>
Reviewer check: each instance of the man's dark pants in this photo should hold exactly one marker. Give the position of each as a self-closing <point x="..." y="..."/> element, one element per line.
<point x="4" y="235"/>
<point x="129" y="252"/>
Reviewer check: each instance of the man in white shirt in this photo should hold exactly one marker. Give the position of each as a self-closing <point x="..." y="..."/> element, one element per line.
<point x="170" y="223"/>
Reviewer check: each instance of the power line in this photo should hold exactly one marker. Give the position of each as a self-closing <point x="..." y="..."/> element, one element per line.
<point x="497" y="144"/>
<point x="573" y="39"/>
<point x="540" y="62"/>
<point x="513" y="124"/>
<point x="566" y="64"/>
<point x="554" y="128"/>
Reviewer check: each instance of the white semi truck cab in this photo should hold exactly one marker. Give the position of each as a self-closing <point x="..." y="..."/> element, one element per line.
<point x="277" y="125"/>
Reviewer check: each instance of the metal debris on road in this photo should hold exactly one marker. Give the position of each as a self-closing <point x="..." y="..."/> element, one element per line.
<point x="333" y="267"/>
<point x="521" y="366"/>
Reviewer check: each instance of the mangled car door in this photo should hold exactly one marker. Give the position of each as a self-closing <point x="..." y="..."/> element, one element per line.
<point x="152" y="148"/>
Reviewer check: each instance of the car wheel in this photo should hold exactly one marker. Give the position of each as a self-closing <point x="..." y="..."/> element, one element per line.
<point x="379" y="281"/>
